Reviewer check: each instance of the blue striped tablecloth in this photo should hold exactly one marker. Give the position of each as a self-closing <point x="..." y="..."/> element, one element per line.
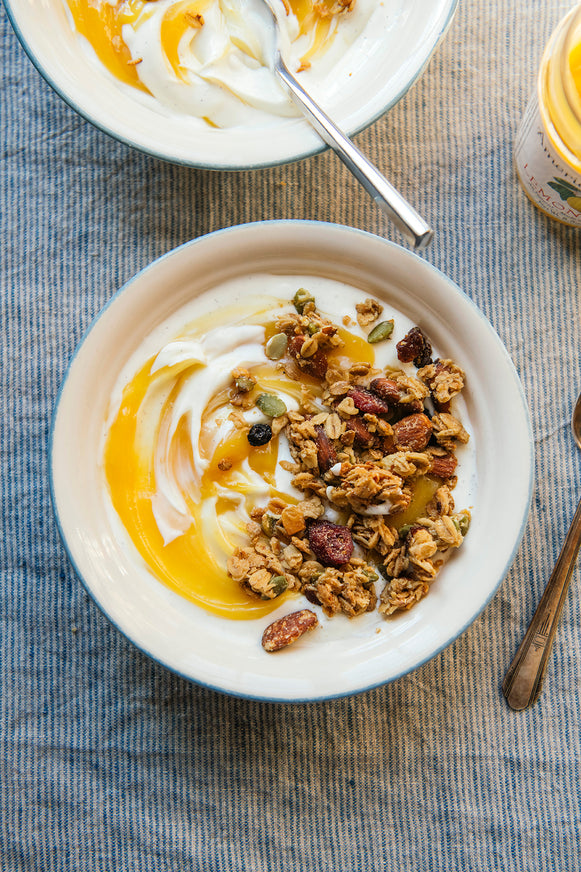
<point x="107" y="761"/>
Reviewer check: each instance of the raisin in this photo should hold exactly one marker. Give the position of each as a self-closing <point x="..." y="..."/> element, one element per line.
<point x="259" y="434"/>
<point x="331" y="543"/>
<point x="415" y="346"/>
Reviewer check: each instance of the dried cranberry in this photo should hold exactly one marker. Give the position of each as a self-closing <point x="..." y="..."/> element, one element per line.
<point x="415" y="346"/>
<point x="332" y="543"/>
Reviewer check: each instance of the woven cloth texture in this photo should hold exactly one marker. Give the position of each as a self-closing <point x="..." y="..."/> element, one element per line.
<point x="108" y="762"/>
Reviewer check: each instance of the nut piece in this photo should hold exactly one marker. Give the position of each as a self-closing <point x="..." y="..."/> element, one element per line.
<point x="444" y="466"/>
<point x="367" y="402"/>
<point x="331" y="543"/>
<point x="316" y="365"/>
<point x="326" y="454"/>
<point x="387" y="389"/>
<point x="413" y="432"/>
<point x="287" y="630"/>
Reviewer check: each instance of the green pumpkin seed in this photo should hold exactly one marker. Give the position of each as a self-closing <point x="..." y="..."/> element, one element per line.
<point x="301" y="298"/>
<point x="278" y="584"/>
<point x="403" y="531"/>
<point x="268" y="523"/>
<point x="371" y="575"/>
<point x="245" y="384"/>
<point x="313" y="328"/>
<point x="271" y="405"/>
<point x="463" y="523"/>
<point x="276" y="346"/>
<point x="381" y="331"/>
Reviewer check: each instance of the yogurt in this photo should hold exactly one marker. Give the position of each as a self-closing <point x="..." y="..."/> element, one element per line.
<point x="210" y="59"/>
<point x="180" y="476"/>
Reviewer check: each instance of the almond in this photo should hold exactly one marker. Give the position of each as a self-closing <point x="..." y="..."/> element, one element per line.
<point x="413" y="432"/>
<point x="287" y="630"/>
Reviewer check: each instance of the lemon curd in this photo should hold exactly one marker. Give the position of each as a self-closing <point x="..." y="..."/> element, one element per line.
<point x="181" y="477"/>
<point x="216" y="47"/>
<point x="548" y="145"/>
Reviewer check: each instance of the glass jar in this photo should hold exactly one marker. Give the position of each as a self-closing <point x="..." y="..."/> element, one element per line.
<point x="548" y="144"/>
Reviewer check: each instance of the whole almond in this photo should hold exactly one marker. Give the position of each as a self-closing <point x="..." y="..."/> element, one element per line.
<point x="287" y="630"/>
<point x="412" y="432"/>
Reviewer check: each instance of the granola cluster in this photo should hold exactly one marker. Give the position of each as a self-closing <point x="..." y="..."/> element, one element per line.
<point x="364" y="443"/>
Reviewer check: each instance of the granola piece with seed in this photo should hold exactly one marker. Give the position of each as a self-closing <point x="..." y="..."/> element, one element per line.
<point x="415" y="346"/>
<point x="368" y="311"/>
<point x="442" y="503"/>
<point x="444" y="378"/>
<point x="316" y="365"/>
<point x="400" y="594"/>
<point x="331" y="543"/>
<point x="448" y="430"/>
<point x="287" y="630"/>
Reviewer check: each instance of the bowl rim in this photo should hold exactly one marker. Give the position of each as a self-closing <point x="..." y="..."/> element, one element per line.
<point x="51" y="80"/>
<point x="525" y="508"/>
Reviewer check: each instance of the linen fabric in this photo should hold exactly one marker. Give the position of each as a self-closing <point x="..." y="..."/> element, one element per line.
<point x="110" y="763"/>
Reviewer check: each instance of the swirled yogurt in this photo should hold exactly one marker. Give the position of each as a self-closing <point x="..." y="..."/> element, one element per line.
<point x="179" y="470"/>
<point x="210" y="59"/>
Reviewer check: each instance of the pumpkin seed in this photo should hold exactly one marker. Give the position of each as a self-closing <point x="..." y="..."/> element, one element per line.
<point x="301" y="298"/>
<point x="463" y="523"/>
<point x="268" y="523"/>
<point x="403" y="531"/>
<point x="276" y="346"/>
<point x="278" y="584"/>
<point x="244" y="384"/>
<point x="313" y="328"/>
<point x="271" y="405"/>
<point x="381" y="331"/>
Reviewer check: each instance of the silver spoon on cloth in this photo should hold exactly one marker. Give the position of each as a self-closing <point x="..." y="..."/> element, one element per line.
<point x="404" y="216"/>
<point x="522" y="683"/>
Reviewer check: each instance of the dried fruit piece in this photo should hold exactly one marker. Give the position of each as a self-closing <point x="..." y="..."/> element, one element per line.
<point x="415" y="346"/>
<point x="381" y="332"/>
<point x="301" y="298"/>
<point x="367" y="402"/>
<point x="326" y="454"/>
<point x="287" y="630"/>
<point x="259" y="434"/>
<point x="332" y="543"/>
<point x="276" y="346"/>
<point x="444" y="466"/>
<point x="412" y="432"/>
<point x="271" y="405"/>
<point x="293" y="520"/>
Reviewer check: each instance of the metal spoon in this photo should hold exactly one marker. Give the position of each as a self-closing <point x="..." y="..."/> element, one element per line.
<point x="522" y="683"/>
<point x="404" y="216"/>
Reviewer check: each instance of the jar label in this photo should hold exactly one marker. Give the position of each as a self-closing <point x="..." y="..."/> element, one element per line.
<point x="550" y="182"/>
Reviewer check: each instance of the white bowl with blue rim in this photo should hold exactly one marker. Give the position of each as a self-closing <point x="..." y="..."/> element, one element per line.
<point x="346" y="656"/>
<point x="383" y="76"/>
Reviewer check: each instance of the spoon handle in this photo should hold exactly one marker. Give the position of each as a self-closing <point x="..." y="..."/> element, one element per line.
<point x="404" y="216"/>
<point x="522" y="683"/>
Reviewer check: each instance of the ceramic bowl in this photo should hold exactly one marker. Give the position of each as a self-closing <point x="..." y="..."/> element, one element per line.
<point x="356" y="654"/>
<point x="385" y="73"/>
